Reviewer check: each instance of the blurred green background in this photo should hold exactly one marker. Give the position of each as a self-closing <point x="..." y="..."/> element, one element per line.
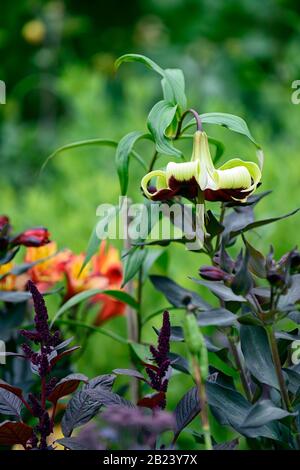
<point x="57" y="58"/>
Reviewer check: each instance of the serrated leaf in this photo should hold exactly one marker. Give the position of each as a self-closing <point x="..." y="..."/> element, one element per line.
<point x="159" y="119"/>
<point x="257" y="354"/>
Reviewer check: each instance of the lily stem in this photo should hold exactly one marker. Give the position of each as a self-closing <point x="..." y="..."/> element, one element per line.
<point x="203" y="404"/>
<point x="197" y="119"/>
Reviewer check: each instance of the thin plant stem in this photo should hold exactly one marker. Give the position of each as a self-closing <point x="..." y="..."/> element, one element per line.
<point x="203" y="404"/>
<point x="153" y="160"/>
<point x="277" y="363"/>
<point x="240" y="368"/>
<point x="197" y="118"/>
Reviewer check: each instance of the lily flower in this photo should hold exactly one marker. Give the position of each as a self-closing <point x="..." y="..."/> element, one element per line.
<point x="235" y="180"/>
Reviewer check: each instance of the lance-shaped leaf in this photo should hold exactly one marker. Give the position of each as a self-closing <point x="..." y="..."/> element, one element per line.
<point x="12" y="433"/>
<point x="216" y="316"/>
<point x="160" y="118"/>
<point x="99" y="233"/>
<point x="82" y="296"/>
<point x="174" y="87"/>
<point x="220" y="290"/>
<point x="263" y="412"/>
<point x="177" y="295"/>
<point x="260" y="223"/>
<point x="14" y="297"/>
<point x="293" y="294"/>
<point x="133" y="262"/>
<point x="172" y="79"/>
<point x="230" y="121"/>
<point x="123" y="152"/>
<point x="242" y="282"/>
<point x="130" y="373"/>
<point x="257" y="261"/>
<point x="66" y="386"/>
<point x="257" y="354"/>
<point x="231" y="408"/>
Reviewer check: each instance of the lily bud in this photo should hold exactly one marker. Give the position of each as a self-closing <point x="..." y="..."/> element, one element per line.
<point x="33" y="237"/>
<point x="213" y="273"/>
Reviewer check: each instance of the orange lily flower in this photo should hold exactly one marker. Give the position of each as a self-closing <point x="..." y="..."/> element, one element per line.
<point x="51" y="270"/>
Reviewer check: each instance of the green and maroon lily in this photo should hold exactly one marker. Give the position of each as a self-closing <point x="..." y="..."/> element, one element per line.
<point x="235" y="180"/>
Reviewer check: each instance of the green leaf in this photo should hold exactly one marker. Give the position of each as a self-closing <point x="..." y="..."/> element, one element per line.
<point x="173" y="86"/>
<point x="258" y="358"/>
<point x="133" y="262"/>
<point x="141" y="351"/>
<point x="230" y="121"/>
<point x="14" y="297"/>
<point x="159" y="119"/>
<point x="78" y="298"/>
<point x="123" y="152"/>
<point x="79" y="144"/>
<point x="172" y="79"/>
<point x="142" y="59"/>
<point x="98" y="234"/>
<point x="96" y="329"/>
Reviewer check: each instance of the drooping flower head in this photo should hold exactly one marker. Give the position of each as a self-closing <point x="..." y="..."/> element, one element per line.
<point x="235" y="180"/>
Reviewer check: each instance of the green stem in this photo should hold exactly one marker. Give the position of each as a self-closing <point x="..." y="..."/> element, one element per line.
<point x="240" y="368"/>
<point x="203" y="404"/>
<point x="277" y="363"/>
<point x="153" y="160"/>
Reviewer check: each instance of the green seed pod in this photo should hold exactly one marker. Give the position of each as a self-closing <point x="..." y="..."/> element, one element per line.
<point x="196" y="343"/>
